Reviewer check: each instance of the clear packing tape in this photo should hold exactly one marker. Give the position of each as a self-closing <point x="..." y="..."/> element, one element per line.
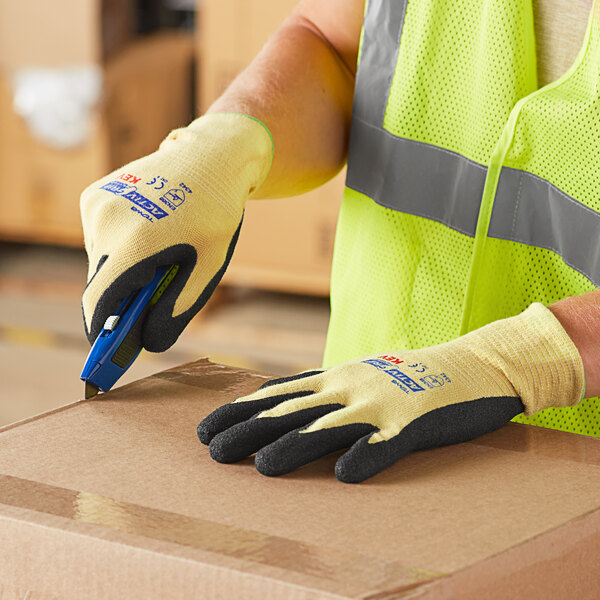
<point x="202" y="534"/>
<point x="57" y="103"/>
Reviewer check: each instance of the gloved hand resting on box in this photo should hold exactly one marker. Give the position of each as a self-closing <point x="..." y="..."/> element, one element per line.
<point x="385" y="406"/>
<point x="181" y="205"/>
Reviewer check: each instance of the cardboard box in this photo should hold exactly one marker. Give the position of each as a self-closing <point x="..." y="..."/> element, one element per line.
<point x="49" y="34"/>
<point x="285" y="244"/>
<point x="147" y="92"/>
<point x="230" y="35"/>
<point x="116" y="498"/>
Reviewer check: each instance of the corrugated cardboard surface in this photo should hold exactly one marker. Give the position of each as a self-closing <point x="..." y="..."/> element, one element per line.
<point x="116" y="498"/>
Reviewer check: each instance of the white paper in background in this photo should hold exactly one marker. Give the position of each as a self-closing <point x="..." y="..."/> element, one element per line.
<point x="57" y="103"/>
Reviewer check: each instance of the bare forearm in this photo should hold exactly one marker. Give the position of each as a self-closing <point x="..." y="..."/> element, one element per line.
<point x="301" y="88"/>
<point x="580" y="316"/>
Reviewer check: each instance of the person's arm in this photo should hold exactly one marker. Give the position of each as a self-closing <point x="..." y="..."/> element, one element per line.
<point x="580" y="317"/>
<point x="281" y="128"/>
<point x="301" y="86"/>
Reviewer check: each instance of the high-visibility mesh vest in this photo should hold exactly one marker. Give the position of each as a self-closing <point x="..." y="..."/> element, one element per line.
<point x="470" y="192"/>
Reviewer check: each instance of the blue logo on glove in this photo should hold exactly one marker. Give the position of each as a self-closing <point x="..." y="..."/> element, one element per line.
<point x="402" y="380"/>
<point x="126" y="190"/>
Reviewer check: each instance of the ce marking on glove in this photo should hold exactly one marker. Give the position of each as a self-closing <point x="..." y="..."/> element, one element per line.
<point x="157" y="183"/>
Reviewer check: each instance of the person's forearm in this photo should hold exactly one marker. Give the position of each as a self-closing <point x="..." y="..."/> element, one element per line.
<point x="302" y="90"/>
<point x="580" y="317"/>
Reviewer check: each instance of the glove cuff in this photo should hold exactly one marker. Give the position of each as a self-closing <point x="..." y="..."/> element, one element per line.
<point x="228" y="154"/>
<point x="538" y="357"/>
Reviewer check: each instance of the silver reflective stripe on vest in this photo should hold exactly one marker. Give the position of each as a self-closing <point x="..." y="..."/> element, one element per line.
<point x="397" y="173"/>
<point x="532" y="211"/>
<point x="382" y="28"/>
<point x="435" y="183"/>
<point x="415" y="178"/>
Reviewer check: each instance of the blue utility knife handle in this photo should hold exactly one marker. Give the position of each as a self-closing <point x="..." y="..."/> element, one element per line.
<point x="120" y="341"/>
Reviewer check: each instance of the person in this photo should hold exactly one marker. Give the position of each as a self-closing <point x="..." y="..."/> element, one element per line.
<point x="466" y="257"/>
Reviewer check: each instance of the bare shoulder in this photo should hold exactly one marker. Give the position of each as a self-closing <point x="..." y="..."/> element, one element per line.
<point x="338" y="21"/>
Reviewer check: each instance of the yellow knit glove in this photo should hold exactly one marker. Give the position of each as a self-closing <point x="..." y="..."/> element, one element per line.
<point x="388" y="405"/>
<point x="181" y="205"/>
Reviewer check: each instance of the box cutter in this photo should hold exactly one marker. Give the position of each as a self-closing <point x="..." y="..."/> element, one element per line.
<point x="120" y="341"/>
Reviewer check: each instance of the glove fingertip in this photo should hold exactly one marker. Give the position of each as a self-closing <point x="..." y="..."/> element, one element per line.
<point x="159" y="343"/>
<point x="364" y="460"/>
<point x="216" y="422"/>
<point x="277" y="458"/>
<point x="233" y="444"/>
<point x="265" y="466"/>
<point x="346" y="473"/>
<point x="205" y="435"/>
<point x="219" y="451"/>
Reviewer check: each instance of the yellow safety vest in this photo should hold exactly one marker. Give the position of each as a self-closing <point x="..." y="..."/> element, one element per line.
<point x="470" y="192"/>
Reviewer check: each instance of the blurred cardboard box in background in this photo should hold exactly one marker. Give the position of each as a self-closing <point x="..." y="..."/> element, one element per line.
<point x="285" y="244"/>
<point x="146" y="90"/>
<point x="60" y="32"/>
